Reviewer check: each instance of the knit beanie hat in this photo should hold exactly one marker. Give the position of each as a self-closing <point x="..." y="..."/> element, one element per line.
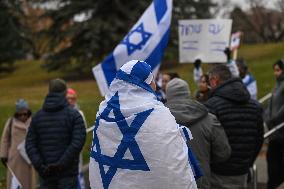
<point x="57" y="86"/>
<point x="177" y="88"/>
<point x="71" y="92"/>
<point x="21" y="104"/>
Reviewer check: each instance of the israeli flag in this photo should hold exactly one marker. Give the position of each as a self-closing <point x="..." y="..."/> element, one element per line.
<point x="146" y="41"/>
<point x="136" y="140"/>
<point x="193" y="162"/>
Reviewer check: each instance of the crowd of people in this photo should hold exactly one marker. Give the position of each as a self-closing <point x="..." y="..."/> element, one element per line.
<point x="223" y="116"/>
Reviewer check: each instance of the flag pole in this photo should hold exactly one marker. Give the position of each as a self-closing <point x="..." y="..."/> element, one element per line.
<point x="235" y="54"/>
<point x="13" y="175"/>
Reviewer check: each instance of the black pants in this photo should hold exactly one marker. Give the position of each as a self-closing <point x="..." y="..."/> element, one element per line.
<point x="59" y="183"/>
<point x="275" y="163"/>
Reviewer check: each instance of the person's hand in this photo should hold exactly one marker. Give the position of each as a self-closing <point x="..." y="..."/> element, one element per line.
<point x="53" y="168"/>
<point x="43" y="171"/>
<point x="4" y="161"/>
<point x="227" y="52"/>
<point x="197" y="63"/>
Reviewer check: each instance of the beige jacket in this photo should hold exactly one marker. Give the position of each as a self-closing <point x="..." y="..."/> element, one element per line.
<point x="13" y="134"/>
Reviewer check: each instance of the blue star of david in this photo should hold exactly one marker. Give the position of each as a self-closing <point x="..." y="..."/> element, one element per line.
<point x="131" y="47"/>
<point x="127" y="142"/>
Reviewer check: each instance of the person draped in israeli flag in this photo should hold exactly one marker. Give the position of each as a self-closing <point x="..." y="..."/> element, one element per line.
<point x="137" y="143"/>
<point x="147" y="41"/>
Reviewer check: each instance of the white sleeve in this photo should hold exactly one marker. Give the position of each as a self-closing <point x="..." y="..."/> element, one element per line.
<point x="197" y="73"/>
<point x="233" y="68"/>
<point x="252" y="88"/>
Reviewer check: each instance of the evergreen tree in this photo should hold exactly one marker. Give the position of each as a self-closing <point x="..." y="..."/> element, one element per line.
<point x="78" y="44"/>
<point x="13" y="44"/>
<point x="84" y="32"/>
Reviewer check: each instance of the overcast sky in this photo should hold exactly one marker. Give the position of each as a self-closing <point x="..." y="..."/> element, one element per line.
<point x="243" y="3"/>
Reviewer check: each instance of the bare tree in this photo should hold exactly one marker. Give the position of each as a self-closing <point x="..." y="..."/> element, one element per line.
<point x="267" y="24"/>
<point x="280" y="5"/>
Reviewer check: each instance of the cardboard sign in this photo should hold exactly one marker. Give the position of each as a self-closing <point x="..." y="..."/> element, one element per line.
<point x="204" y="40"/>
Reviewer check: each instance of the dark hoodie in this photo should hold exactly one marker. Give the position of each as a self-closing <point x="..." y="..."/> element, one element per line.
<point x="242" y="120"/>
<point x="209" y="144"/>
<point x="56" y="136"/>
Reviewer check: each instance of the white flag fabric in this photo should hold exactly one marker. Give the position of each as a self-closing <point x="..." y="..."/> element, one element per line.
<point x="81" y="181"/>
<point x="15" y="183"/>
<point x="136" y="140"/>
<point x="146" y="41"/>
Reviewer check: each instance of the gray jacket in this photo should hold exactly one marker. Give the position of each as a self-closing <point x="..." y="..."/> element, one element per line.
<point x="274" y="114"/>
<point x="210" y="143"/>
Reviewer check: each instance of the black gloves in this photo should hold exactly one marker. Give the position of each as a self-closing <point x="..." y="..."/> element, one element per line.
<point x="51" y="170"/>
<point x="54" y="168"/>
<point x="197" y="63"/>
<point x="228" y="51"/>
<point x="4" y="161"/>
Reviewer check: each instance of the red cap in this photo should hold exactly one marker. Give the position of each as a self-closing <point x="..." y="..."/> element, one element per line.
<point x="71" y="92"/>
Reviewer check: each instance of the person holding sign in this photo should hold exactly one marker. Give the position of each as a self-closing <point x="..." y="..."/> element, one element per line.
<point x="231" y="63"/>
<point x="247" y="78"/>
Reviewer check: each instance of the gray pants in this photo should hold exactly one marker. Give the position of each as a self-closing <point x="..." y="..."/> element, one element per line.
<point x="228" y="182"/>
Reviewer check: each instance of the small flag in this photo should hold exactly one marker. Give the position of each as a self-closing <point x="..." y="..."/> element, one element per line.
<point x="146" y="41"/>
<point x="81" y="181"/>
<point x="235" y="40"/>
<point x="15" y="183"/>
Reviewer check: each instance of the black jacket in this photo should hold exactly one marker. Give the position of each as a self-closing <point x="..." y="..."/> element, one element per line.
<point x="56" y="136"/>
<point x="242" y="120"/>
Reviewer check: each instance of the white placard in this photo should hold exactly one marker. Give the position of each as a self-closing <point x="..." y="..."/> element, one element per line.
<point x="204" y="40"/>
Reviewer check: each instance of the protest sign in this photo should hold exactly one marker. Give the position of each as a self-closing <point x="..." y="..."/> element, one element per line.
<point x="204" y="39"/>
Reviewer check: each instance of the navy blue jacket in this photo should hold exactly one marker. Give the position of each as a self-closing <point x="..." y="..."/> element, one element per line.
<point x="56" y="136"/>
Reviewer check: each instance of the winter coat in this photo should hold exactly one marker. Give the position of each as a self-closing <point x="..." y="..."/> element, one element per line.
<point x="14" y="133"/>
<point x="56" y="136"/>
<point x="210" y="143"/>
<point x="275" y="111"/>
<point x="241" y="118"/>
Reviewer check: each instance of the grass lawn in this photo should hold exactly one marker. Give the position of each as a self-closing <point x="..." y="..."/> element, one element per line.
<point x="30" y="82"/>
